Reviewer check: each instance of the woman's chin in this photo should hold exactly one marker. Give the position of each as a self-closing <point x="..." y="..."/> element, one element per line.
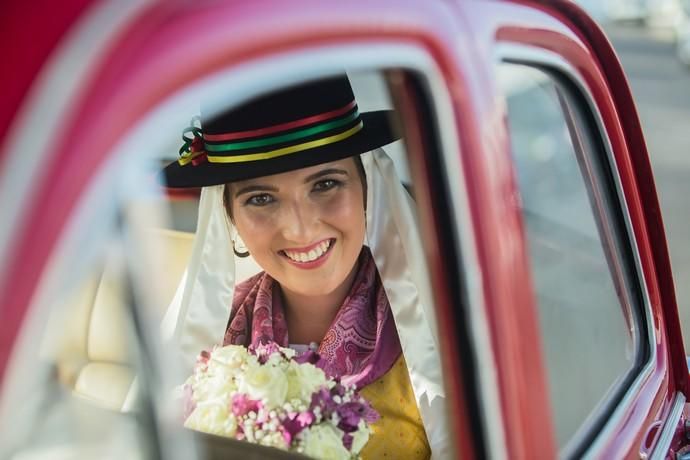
<point x="321" y="281"/>
<point x="315" y="289"/>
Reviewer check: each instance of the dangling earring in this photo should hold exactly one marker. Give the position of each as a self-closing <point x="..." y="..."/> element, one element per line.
<point x="239" y="254"/>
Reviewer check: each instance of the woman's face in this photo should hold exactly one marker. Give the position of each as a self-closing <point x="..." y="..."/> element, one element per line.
<point x="305" y="228"/>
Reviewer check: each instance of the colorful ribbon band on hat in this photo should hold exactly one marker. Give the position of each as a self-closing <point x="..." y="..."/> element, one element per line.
<point x="286" y="150"/>
<point x="282" y="126"/>
<point x="285" y="138"/>
<point x="271" y="141"/>
<point x="192" y="151"/>
<point x="192" y="157"/>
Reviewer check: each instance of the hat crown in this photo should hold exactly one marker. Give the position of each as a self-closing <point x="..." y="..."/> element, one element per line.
<point x="285" y="106"/>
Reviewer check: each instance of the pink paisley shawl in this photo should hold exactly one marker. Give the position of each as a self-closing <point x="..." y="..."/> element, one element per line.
<point x="360" y="345"/>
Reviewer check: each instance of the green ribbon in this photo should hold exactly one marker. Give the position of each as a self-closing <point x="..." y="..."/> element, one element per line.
<point x="196" y="132"/>
<point x="284" y="137"/>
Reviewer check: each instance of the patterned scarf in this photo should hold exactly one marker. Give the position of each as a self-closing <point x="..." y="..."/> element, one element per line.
<point x="360" y="345"/>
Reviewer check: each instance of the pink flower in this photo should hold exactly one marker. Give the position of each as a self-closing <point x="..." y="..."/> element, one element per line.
<point x="347" y="441"/>
<point x="352" y="412"/>
<point x="306" y="418"/>
<point x="294" y="423"/>
<point x="263" y="350"/>
<point x="242" y="405"/>
<point x="323" y="399"/>
<point x="202" y="360"/>
<point x="188" y="401"/>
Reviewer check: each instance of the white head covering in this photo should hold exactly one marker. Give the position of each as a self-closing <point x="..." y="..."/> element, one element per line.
<point x="198" y="315"/>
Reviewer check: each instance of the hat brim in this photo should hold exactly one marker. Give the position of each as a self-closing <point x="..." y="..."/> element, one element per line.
<point x="377" y="131"/>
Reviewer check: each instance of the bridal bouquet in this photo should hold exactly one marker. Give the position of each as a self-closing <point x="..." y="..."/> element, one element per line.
<point x="265" y="395"/>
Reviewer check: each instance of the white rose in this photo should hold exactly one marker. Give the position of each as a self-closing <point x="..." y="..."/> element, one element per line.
<point x="324" y="441"/>
<point x="217" y="381"/>
<point x="267" y="383"/>
<point x="212" y="418"/>
<point x="303" y="380"/>
<point x="231" y="355"/>
<point x="360" y="437"/>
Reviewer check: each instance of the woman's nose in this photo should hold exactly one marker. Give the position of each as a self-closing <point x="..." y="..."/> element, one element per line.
<point x="298" y="223"/>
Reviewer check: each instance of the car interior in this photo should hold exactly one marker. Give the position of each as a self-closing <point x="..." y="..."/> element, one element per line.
<point x="91" y="345"/>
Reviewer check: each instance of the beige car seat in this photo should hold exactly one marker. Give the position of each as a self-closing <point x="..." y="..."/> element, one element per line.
<point x="93" y="351"/>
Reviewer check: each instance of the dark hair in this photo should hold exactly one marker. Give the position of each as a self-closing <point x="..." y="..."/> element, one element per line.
<point x="227" y="199"/>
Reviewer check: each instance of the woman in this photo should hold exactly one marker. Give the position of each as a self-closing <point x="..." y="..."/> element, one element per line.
<point x="289" y="178"/>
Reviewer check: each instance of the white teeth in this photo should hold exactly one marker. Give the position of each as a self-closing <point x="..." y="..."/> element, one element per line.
<point x="311" y="255"/>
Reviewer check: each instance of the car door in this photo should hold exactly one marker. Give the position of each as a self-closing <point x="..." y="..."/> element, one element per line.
<point x="447" y="64"/>
<point x="592" y="252"/>
<point x="88" y="166"/>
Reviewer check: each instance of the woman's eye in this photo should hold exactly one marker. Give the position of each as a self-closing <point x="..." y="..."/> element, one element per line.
<point x="326" y="184"/>
<point x="259" y="200"/>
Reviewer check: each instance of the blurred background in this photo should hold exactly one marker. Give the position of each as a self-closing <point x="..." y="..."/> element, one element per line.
<point x="652" y="39"/>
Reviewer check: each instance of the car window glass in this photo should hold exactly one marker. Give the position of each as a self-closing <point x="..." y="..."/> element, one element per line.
<point x="80" y="397"/>
<point x="588" y="327"/>
<point x="103" y="330"/>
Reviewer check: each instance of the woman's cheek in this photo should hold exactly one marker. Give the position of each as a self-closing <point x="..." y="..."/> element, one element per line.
<point x="345" y="206"/>
<point x="252" y="224"/>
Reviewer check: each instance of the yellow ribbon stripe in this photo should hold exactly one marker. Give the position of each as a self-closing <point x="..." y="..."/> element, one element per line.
<point x="286" y="150"/>
<point x="187" y="157"/>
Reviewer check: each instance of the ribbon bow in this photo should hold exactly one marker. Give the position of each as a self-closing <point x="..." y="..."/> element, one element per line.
<point x="192" y="151"/>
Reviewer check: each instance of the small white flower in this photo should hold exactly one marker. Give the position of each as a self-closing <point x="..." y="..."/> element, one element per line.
<point x="274" y="439"/>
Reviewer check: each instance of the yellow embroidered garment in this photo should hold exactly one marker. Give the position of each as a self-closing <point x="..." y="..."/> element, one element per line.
<point x="399" y="432"/>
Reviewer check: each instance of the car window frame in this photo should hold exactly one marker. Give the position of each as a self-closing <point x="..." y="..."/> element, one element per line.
<point x="588" y="440"/>
<point x="364" y="55"/>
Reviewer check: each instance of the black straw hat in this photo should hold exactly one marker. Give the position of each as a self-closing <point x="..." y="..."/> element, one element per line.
<point x="294" y="128"/>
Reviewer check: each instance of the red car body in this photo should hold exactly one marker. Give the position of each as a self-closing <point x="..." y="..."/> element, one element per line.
<point x="123" y="81"/>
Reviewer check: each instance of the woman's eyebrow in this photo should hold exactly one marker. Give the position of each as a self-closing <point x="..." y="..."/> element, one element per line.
<point x="326" y="172"/>
<point x="255" y="188"/>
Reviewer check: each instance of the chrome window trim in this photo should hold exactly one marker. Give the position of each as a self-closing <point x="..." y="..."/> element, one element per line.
<point x="663" y="443"/>
<point x="476" y="309"/>
<point x="154" y="130"/>
<point x="532" y="56"/>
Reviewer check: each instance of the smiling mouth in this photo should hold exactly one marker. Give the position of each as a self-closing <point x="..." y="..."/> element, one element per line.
<point x="312" y="255"/>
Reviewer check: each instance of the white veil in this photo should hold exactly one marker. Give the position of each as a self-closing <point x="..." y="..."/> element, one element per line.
<point x="198" y="314"/>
